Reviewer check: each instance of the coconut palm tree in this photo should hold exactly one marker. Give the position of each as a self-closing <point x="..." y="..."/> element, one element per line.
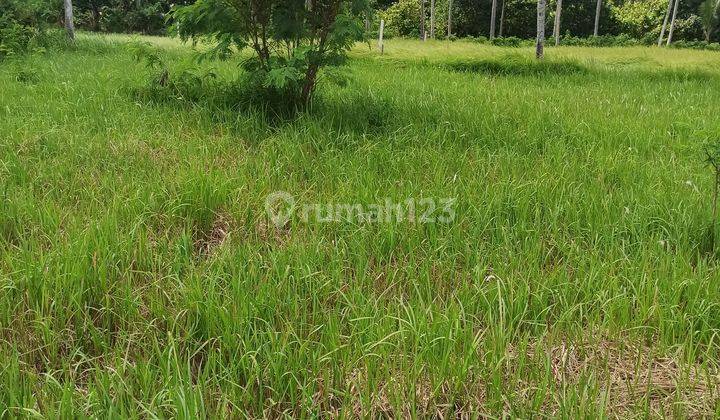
<point x="502" y="19"/>
<point x="556" y="28"/>
<point x="423" y="35"/>
<point x="598" y="7"/>
<point x="540" y="40"/>
<point x="665" y="21"/>
<point x="493" y="13"/>
<point x="672" y="22"/>
<point x="432" y="19"/>
<point x="69" y="25"/>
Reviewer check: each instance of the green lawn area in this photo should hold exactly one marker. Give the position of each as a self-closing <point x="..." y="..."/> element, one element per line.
<point x="141" y="275"/>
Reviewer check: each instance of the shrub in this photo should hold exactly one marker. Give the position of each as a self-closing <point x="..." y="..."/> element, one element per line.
<point x="694" y="45"/>
<point x="148" y="19"/>
<point x="508" y="41"/>
<point x="479" y="39"/>
<point x="190" y="84"/>
<point x="622" y="40"/>
<point x="15" y="39"/>
<point x="649" y="38"/>
<point x="22" y="26"/>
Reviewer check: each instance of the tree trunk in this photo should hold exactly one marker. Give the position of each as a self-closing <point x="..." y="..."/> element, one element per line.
<point x="665" y="21"/>
<point x="598" y="7"/>
<point x="556" y="28"/>
<point x="94" y="16"/>
<point x="502" y="19"/>
<point x="309" y="85"/>
<point x="69" y="25"/>
<point x="432" y="19"/>
<point x="493" y="13"/>
<point x="540" y="40"/>
<point x="672" y="22"/>
<point x="422" y="20"/>
<point x="449" y="25"/>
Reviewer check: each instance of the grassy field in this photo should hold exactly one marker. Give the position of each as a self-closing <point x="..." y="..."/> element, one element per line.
<point x="141" y="275"/>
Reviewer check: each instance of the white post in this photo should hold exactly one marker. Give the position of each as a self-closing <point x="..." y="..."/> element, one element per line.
<point x="380" y="38"/>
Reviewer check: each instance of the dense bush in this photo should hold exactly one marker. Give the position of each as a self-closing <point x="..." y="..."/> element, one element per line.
<point x="148" y="19"/>
<point x="697" y="45"/>
<point x="508" y="41"/>
<point x="23" y="26"/>
<point x="129" y="16"/>
<point x="622" y="40"/>
<point x="479" y="39"/>
<point x="637" y="18"/>
<point x="626" y="41"/>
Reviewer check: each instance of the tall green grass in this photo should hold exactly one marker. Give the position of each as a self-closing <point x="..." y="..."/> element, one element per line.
<point x="141" y="276"/>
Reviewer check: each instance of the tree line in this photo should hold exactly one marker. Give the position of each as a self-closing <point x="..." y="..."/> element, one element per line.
<point x="640" y="19"/>
<point x="648" y="19"/>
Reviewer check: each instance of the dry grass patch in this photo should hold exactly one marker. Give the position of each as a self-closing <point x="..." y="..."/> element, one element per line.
<point x="632" y="378"/>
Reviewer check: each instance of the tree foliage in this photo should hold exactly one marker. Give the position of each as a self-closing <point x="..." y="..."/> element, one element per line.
<point x="291" y="39"/>
<point x="402" y="17"/>
<point x="639" y="19"/>
<point x="134" y="16"/>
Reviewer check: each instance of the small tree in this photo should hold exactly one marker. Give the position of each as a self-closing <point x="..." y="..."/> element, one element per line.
<point x="291" y="39"/>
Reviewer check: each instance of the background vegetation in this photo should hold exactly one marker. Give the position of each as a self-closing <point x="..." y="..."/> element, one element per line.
<point x="638" y="19"/>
